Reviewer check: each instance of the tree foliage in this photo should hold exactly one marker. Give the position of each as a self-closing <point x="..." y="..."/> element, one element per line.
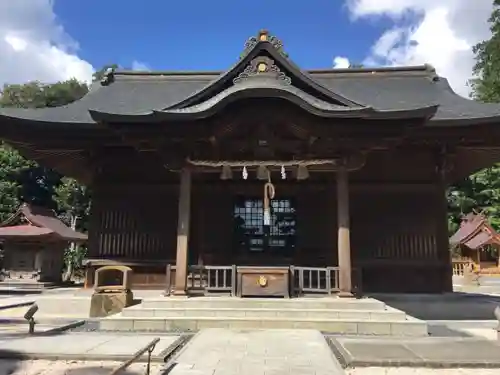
<point x="485" y="85"/>
<point x="481" y="191"/>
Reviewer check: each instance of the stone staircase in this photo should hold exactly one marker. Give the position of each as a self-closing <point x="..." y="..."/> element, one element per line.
<point x="365" y="316"/>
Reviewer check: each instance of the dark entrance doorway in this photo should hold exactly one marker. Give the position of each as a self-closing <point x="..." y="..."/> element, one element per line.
<point x="258" y="244"/>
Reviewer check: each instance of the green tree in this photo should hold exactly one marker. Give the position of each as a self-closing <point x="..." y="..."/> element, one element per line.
<point x="486" y="83"/>
<point x="25" y="181"/>
<point x="10" y="164"/>
<point x="481" y="191"/>
<point x="35" y="184"/>
<point x="73" y="200"/>
<point x="99" y="74"/>
<point x="39" y="95"/>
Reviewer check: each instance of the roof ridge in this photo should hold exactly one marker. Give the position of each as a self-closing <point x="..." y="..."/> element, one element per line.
<point x="426" y="68"/>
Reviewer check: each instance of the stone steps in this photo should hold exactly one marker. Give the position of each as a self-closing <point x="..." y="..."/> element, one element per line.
<point x="175" y="312"/>
<point x="367" y="304"/>
<point x="332" y="315"/>
<point x="409" y="327"/>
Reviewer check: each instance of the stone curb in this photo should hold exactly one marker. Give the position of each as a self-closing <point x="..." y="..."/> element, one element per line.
<point x="424" y="363"/>
<point x="4" y="354"/>
<point x="348" y="361"/>
<point x="65" y="327"/>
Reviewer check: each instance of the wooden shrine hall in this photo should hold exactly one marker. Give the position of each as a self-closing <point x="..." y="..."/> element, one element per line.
<point x="267" y="179"/>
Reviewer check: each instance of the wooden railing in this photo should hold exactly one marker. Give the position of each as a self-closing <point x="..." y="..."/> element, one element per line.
<point x="321" y="280"/>
<point x="314" y="280"/>
<point x="205" y="279"/>
<point x="222" y="280"/>
<point x="460" y="266"/>
<point x="212" y="279"/>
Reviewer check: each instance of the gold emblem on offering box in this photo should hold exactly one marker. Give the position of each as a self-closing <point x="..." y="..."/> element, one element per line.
<point x="262" y="281"/>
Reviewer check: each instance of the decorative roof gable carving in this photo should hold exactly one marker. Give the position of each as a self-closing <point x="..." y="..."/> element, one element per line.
<point x="264" y="36"/>
<point x="262" y="67"/>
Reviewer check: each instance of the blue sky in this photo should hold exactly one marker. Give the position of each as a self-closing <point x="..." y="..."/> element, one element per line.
<point x="195" y="34"/>
<point x="54" y="40"/>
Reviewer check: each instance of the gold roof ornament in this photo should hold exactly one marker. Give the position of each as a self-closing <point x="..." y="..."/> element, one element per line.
<point x="263" y="35"/>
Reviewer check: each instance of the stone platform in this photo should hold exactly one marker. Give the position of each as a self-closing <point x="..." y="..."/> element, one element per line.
<point x="19" y="286"/>
<point x="429" y="352"/>
<point x="330" y="314"/>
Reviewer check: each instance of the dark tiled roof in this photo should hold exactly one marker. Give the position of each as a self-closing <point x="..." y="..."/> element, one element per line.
<point x="139" y="94"/>
<point x="41" y="221"/>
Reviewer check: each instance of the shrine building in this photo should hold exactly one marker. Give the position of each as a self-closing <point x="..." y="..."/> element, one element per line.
<point x="321" y="181"/>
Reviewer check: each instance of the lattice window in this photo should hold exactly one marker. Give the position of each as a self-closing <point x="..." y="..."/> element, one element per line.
<point x="251" y="235"/>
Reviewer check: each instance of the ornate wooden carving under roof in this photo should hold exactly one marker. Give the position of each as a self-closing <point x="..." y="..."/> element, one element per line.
<point x="263" y="67"/>
<point x="264" y="36"/>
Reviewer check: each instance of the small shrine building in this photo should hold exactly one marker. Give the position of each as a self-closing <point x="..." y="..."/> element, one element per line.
<point x="33" y="243"/>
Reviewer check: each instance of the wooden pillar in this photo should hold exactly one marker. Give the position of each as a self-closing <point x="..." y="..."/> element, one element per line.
<point x="444" y="166"/>
<point x="344" y="241"/>
<point x="443" y="241"/>
<point x="181" y="262"/>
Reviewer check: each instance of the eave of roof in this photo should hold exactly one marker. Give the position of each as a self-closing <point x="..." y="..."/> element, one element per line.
<point x="45" y="220"/>
<point x="19" y="231"/>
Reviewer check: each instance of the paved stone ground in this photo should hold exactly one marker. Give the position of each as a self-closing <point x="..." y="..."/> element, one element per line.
<point x="40" y="367"/>
<point x="83" y="346"/>
<point x="277" y="352"/>
<point x="419" y="371"/>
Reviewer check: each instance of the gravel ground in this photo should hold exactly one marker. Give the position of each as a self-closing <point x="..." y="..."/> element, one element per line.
<point x="39" y="367"/>
<point x="419" y="371"/>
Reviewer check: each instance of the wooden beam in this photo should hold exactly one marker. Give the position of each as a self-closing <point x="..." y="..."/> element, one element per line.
<point x="242" y="186"/>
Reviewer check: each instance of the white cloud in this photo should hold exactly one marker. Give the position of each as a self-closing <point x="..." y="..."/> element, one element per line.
<point x="140" y="66"/>
<point x="34" y="46"/>
<point x="340" y="62"/>
<point x="441" y="33"/>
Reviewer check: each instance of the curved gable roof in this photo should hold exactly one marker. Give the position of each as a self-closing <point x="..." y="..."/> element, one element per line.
<point x="266" y="46"/>
<point x="41" y="221"/>
<point x="379" y="92"/>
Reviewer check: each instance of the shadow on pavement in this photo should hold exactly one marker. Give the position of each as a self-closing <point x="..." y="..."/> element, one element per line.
<point x="12" y="364"/>
<point x="449" y="306"/>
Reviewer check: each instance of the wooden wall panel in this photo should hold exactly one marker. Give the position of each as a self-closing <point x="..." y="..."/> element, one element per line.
<point x="316" y="227"/>
<point x="396" y="242"/>
<point x="395" y="237"/>
<point x="133" y="223"/>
